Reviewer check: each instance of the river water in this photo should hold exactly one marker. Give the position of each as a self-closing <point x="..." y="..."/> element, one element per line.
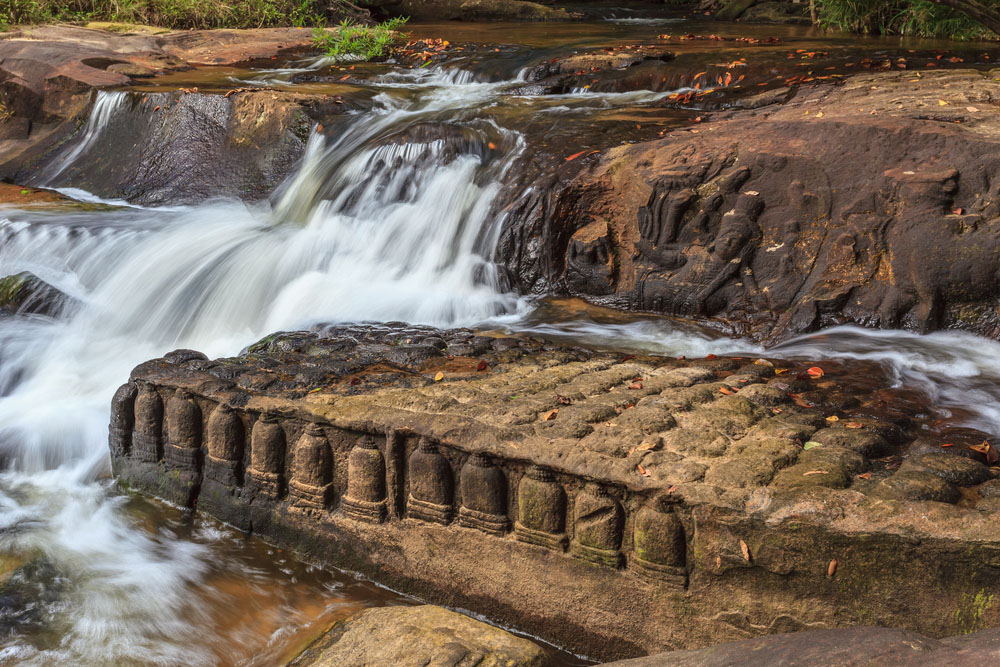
<point x="368" y="228"/>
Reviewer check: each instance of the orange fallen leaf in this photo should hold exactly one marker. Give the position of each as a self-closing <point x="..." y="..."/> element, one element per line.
<point x="958" y="211"/>
<point x="853" y="425"/>
<point x="816" y="472"/>
<point x="815" y="372"/>
<point x="642" y="471"/>
<point x="833" y="418"/>
<point x="832" y="570"/>
<point x="635" y="385"/>
<point x="646" y="446"/>
<point x="746" y="551"/>
<point x="780" y="371"/>
<point x="492" y="146"/>
<point x="711" y="356"/>
<point x="575" y="156"/>
<point x="865" y="475"/>
<point x="947" y="444"/>
<point x="482" y="366"/>
<point x="439" y="376"/>
<point x="550" y="415"/>
<point x="727" y="391"/>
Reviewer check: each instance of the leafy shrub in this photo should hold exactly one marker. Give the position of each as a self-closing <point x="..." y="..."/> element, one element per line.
<point x="352" y="39"/>
<point x="899" y="17"/>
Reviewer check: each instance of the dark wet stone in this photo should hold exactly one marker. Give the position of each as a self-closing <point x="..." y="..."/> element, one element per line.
<point x="949" y="467"/>
<point x="917" y="485"/>
<point x="856" y="439"/>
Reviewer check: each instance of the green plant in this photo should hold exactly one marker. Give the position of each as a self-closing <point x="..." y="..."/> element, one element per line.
<point x="969" y="615"/>
<point x="352" y="39"/>
<point x="924" y="18"/>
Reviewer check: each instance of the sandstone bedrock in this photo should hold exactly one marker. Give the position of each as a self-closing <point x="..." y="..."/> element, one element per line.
<point x="615" y="505"/>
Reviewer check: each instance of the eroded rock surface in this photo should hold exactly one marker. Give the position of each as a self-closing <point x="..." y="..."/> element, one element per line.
<point x="617" y="505"/>
<point x="424" y="636"/>
<point x="789" y="217"/>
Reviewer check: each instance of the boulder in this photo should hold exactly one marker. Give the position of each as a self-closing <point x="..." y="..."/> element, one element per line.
<point x="26" y="293"/>
<point x="423" y="636"/>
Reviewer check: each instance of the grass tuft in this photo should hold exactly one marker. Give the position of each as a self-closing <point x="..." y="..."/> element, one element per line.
<point x="353" y="40"/>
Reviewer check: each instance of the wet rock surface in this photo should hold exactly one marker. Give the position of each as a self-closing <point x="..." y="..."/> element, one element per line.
<point x="25" y="293"/>
<point x="788" y="217"/>
<point x="837" y="648"/>
<point x="423" y="635"/>
<point x="676" y="502"/>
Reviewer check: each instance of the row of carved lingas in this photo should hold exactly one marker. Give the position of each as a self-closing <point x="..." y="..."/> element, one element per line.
<point x="599" y="520"/>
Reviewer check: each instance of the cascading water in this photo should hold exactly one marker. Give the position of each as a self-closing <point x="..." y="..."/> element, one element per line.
<point x="383" y="221"/>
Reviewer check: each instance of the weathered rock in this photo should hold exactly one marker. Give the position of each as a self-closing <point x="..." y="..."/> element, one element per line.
<point x="477" y="10"/>
<point x="789" y="217"/>
<point x="25" y="293"/>
<point x="949" y="467"/>
<point x="424" y="635"/>
<point x="845" y="647"/>
<point x="535" y="481"/>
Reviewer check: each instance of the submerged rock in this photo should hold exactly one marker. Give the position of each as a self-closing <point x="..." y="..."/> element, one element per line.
<point x="425" y="635"/>
<point x="25" y="293"/>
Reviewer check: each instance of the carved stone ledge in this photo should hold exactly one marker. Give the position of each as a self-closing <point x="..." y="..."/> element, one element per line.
<point x="667" y="574"/>
<point x="429" y="512"/>
<point x="556" y="542"/>
<point x="307" y="496"/>
<point x="181" y="458"/>
<point x="222" y="471"/>
<point x="265" y="483"/>
<point x="605" y="557"/>
<point x="488" y="523"/>
<point x="363" y="510"/>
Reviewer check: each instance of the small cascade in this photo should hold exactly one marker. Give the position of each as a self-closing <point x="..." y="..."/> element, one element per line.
<point x="105" y="106"/>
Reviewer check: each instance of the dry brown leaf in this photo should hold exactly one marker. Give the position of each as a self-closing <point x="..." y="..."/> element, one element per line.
<point x="833" y="418"/>
<point x="832" y="570"/>
<point x="865" y="475"/>
<point x="746" y="551"/>
<point x="727" y="391"/>
<point x="815" y="372"/>
<point x="550" y="415"/>
<point x="646" y="446"/>
<point x="816" y="472"/>
<point x="642" y="471"/>
<point x="853" y="425"/>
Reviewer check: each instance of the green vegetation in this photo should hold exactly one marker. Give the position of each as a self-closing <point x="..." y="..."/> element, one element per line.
<point x="352" y="39"/>
<point x="925" y="18"/>
<point x="970" y="614"/>
<point x="168" y="13"/>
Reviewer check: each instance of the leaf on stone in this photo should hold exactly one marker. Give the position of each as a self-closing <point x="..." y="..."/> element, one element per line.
<point x="628" y="357"/>
<point x="24" y="192"/>
<point x="816" y="472"/>
<point x="853" y="425"/>
<point x="832" y="570"/>
<point x="482" y="366"/>
<point x="563" y="400"/>
<point x="718" y="562"/>
<point x="635" y="385"/>
<point x="776" y="411"/>
<point x="439" y="376"/>
<point x="642" y="471"/>
<point x="746" y="551"/>
<point x="646" y="446"/>
<point x="972" y="109"/>
<point x="727" y="391"/>
<point x="947" y="444"/>
<point x="810" y="444"/>
<point x="355" y="382"/>
<point x="815" y="372"/>
<point x="833" y="418"/>
<point x="780" y="371"/>
<point x="958" y="211"/>
<point x="763" y="362"/>
<point x="709" y="356"/>
<point x="575" y="156"/>
<point x="942" y="103"/>
<point x="550" y="415"/>
<point x="865" y="475"/>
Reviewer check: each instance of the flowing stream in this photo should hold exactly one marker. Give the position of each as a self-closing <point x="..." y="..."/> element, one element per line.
<point x="369" y="227"/>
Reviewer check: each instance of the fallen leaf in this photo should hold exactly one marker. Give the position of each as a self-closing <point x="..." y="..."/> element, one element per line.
<point x="646" y="446"/>
<point x="972" y="109"/>
<point x="942" y="103"/>
<point x="763" y="362"/>
<point x="642" y="471"/>
<point x="780" y="371"/>
<point x="865" y="475"/>
<point x="550" y="415"/>
<point x="563" y="400"/>
<point x="482" y="366"/>
<point x="439" y="376"/>
<point x="833" y="418"/>
<point x="718" y="562"/>
<point x="575" y="156"/>
<point x="853" y="425"/>
<point x="355" y="382"/>
<point x="24" y="192"/>
<point x="746" y="551"/>
<point x="711" y="356"/>
<point x="492" y="146"/>
<point x="810" y="444"/>
<point x="816" y="472"/>
<point x="727" y="391"/>
<point x="958" y="211"/>
<point x="947" y="444"/>
<point x="819" y="114"/>
<point x="832" y="570"/>
<point x="776" y="411"/>
<point x="815" y="372"/>
<point x="628" y="357"/>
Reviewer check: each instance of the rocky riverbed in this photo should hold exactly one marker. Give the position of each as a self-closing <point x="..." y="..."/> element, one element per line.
<point x="618" y="496"/>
